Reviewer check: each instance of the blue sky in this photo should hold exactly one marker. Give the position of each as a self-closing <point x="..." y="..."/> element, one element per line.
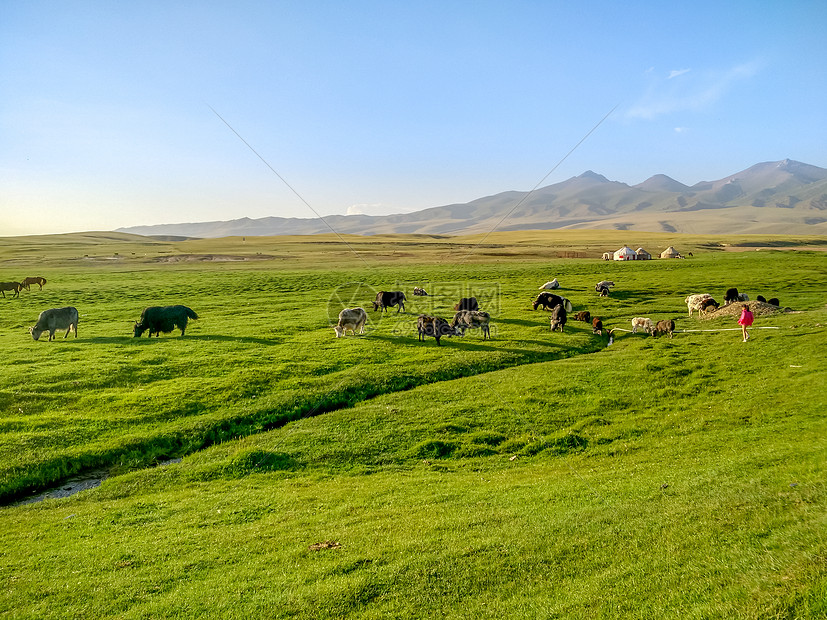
<point x="106" y="113"/>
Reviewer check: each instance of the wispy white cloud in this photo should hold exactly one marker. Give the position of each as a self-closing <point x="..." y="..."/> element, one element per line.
<point x="697" y="91"/>
<point x="359" y="209"/>
<point x="681" y="129"/>
<point x="676" y="72"/>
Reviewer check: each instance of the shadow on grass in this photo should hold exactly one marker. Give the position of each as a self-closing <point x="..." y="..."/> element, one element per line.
<point x="144" y="341"/>
<point x="523" y="322"/>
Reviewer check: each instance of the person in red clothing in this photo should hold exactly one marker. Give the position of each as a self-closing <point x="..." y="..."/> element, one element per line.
<point x="745" y="320"/>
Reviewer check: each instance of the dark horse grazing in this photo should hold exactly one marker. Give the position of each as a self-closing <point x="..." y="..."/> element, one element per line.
<point x="33" y="280"/>
<point x="159" y="319"/>
<point x="10" y="286"/>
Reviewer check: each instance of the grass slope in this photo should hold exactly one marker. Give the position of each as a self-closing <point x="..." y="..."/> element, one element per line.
<point x="538" y="475"/>
<point x="691" y="493"/>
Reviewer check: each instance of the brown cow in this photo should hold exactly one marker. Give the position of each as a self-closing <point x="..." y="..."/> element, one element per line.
<point x="583" y="315"/>
<point x="664" y="327"/>
<point x="435" y="327"/>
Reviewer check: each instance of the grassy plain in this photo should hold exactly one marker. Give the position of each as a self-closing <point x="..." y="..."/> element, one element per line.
<point x="536" y="475"/>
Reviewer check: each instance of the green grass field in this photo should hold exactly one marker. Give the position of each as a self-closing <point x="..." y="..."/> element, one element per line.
<point x="537" y="475"/>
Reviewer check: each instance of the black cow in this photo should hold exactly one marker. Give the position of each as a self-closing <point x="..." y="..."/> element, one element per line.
<point x="731" y="296"/>
<point x="558" y="317"/>
<point x="761" y="298"/>
<point x="549" y="300"/>
<point x="774" y="302"/>
<point x="388" y="299"/>
<point x="467" y="303"/>
<point x="159" y="319"/>
<point x="435" y="327"/>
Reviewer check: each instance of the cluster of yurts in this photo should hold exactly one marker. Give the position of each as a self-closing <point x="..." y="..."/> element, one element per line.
<point x="627" y="253"/>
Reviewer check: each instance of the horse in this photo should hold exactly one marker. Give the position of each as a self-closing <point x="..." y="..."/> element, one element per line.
<point x="33" y="280"/>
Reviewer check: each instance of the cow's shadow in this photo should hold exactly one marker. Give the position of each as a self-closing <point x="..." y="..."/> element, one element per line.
<point x="523" y="322"/>
<point x="462" y="342"/>
<point x="175" y="336"/>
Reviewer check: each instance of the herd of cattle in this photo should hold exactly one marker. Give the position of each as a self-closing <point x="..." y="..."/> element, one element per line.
<point x="164" y="319"/>
<point x="469" y="316"/>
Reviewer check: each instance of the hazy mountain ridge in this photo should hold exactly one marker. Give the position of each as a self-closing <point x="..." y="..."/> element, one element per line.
<point x="787" y="197"/>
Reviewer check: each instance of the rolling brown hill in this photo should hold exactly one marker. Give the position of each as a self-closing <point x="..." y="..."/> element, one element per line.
<point x="784" y="197"/>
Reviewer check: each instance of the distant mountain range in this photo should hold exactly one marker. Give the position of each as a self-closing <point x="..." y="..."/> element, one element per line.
<point x="784" y="197"/>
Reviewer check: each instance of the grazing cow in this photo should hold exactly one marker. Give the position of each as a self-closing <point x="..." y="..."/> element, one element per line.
<point x="693" y="302"/>
<point x="33" y="280"/>
<point x="583" y="315"/>
<point x="351" y="319"/>
<point x="597" y="326"/>
<point x="54" y="319"/>
<point x="603" y="290"/>
<point x="550" y="286"/>
<point x="435" y="327"/>
<point x="467" y="303"/>
<point x="549" y="300"/>
<point x="774" y="302"/>
<point x="603" y="284"/>
<point x="761" y="298"/>
<point x="10" y="286"/>
<point x="472" y="319"/>
<point x="664" y="327"/>
<point x="385" y="300"/>
<point x="420" y="292"/>
<point x="731" y="296"/>
<point x="706" y="304"/>
<point x="558" y="317"/>
<point x="159" y="319"/>
<point x="643" y="323"/>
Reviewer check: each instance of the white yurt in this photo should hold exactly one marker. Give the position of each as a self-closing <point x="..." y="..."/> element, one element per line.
<point x="625" y="253"/>
<point x="670" y="252"/>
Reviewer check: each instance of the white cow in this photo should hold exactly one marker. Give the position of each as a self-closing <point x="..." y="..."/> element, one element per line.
<point x="54" y="319"/>
<point x="351" y="319"/>
<point x="643" y="323"/>
<point x="550" y="286"/>
<point x="694" y="301"/>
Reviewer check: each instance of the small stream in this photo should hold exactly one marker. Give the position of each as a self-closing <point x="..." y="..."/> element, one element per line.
<point x="75" y="484"/>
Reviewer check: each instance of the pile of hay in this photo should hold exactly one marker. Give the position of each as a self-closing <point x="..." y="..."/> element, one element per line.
<point x="758" y="308"/>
